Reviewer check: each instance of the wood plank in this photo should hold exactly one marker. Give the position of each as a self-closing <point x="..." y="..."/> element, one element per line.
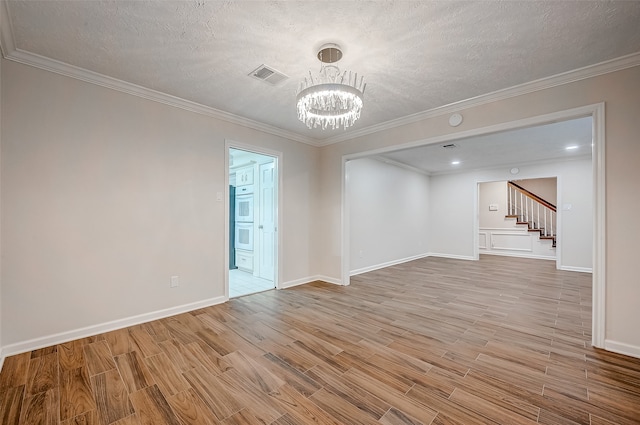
<point x="488" y="409"/>
<point x="120" y="342"/>
<point x="243" y="417"/>
<point x="76" y="396"/>
<point x="411" y="407"/>
<point x="43" y="373"/>
<point x="351" y="393"/>
<point x="252" y="370"/>
<point x="98" y="358"/>
<point x="175" y="351"/>
<point x="14" y="371"/>
<point x="248" y="394"/>
<point x="157" y="330"/>
<point x="342" y="410"/>
<point x="86" y="418"/>
<point x="111" y="396"/>
<point x="129" y="420"/>
<point x="200" y="354"/>
<point x="44" y="351"/>
<point x="190" y="409"/>
<point x="166" y="375"/>
<point x="213" y="392"/>
<point x="144" y="341"/>
<point x="40" y="409"/>
<point x="302" y="383"/>
<point x="395" y="417"/>
<point x="300" y="409"/>
<point x="228" y="342"/>
<point x="134" y="371"/>
<point x="70" y="355"/>
<point x="11" y="405"/>
<point x="152" y="408"/>
<point x="178" y="331"/>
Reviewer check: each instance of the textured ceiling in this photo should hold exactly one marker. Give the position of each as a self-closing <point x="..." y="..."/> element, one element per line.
<point x="415" y="55"/>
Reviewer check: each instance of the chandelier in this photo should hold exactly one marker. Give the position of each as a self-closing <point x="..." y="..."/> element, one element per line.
<point x="331" y="99"/>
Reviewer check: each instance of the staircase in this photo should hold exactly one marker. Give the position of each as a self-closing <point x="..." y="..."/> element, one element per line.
<point x="529" y="209"/>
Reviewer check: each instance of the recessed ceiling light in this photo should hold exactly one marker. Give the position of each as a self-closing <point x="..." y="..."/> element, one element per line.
<point x="455" y="162"/>
<point x="572" y="147"/>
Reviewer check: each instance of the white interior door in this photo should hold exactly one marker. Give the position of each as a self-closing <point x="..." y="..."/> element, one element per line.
<point x="267" y="221"/>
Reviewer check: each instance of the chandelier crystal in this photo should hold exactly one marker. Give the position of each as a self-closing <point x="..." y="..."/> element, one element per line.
<point x="331" y="99"/>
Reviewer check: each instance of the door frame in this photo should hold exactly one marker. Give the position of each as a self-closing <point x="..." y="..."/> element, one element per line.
<point x="277" y="159"/>
<point x="597" y="112"/>
<point x="476" y="213"/>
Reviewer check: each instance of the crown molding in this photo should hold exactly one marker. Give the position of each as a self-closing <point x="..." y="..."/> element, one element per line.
<point x="590" y="71"/>
<point x="112" y="83"/>
<point x="6" y="30"/>
<point x="11" y="52"/>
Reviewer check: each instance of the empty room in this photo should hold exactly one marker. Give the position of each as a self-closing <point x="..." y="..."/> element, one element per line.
<point x="331" y="212"/>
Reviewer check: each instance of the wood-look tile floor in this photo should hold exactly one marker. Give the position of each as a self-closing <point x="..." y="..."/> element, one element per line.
<point x="433" y="341"/>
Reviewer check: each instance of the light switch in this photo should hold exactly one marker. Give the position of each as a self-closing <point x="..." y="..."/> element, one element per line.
<point x="219" y="196"/>
<point x="493" y="207"/>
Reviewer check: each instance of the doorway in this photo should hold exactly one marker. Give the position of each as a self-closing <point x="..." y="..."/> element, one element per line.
<point x="518" y="217"/>
<point x="253" y="242"/>
<point x="597" y="188"/>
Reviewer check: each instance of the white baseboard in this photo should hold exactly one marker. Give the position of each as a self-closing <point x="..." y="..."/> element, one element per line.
<point x="328" y="279"/>
<point x="518" y="255"/>
<point x="59" y="338"/>
<point x="577" y="269"/>
<point x="2" y="356"/>
<point x="309" y="279"/>
<point x="386" y="264"/>
<point x="622" y="348"/>
<point x="296" y="282"/>
<point x="452" y="256"/>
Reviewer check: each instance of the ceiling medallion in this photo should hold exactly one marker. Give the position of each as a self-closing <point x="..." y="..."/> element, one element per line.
<point x="331" y="99"/>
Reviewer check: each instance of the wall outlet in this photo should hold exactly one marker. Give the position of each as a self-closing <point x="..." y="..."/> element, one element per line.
<point x="175" y="282"/>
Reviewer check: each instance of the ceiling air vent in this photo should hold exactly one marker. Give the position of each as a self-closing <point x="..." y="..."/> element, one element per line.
<point x="450" y="146"/>
<point x="268" y="75"/>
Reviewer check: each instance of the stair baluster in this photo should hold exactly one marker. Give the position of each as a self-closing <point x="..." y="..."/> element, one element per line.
<point x="529" y="208"/>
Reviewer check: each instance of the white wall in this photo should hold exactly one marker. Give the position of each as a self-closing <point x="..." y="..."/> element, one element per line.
<point x="107" y="195"/>
<point x="575" y="237"/>
<point x="492" y="193"/>
<point x="388" y="214"/>
<point x="545" y="188"/>
<point x="452" y="232"/>
<point x="619" y="90"/>
<point x="451" y="209"/>
<point x="1" y="295"/>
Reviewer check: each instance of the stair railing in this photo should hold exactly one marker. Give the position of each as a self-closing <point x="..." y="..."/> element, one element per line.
<point x="529" y="208"/>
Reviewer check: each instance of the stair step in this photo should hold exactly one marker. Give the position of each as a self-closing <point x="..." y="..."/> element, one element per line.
<point x="548" y="237"/>
<point x="511" y="216"/>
